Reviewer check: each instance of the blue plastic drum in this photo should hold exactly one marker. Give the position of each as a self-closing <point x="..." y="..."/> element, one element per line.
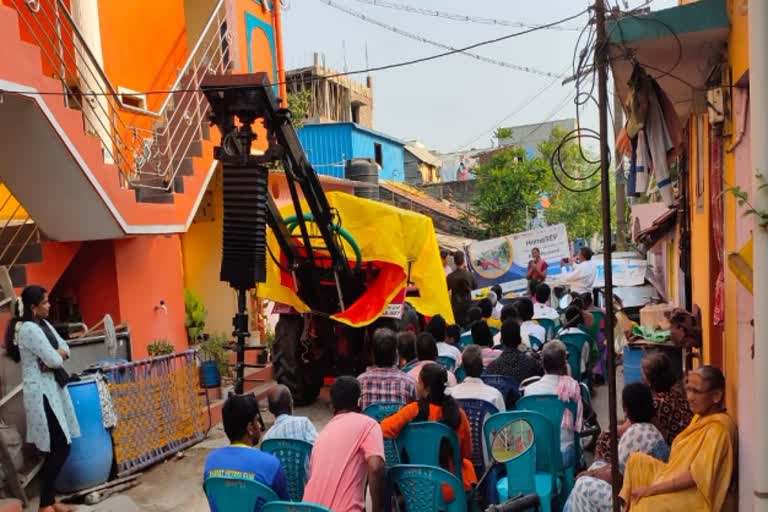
<point x="633" y="357"/>
<point x="90" y="457"/>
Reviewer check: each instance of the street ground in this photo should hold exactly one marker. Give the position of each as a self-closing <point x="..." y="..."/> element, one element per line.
<point x="176" y="485"/>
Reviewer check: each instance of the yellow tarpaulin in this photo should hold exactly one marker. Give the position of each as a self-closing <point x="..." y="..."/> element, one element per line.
<point x="740" y="264"/>
<point x="385" y="234"/>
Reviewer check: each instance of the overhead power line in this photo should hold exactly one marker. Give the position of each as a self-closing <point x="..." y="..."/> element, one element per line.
<point x="384" y="67"/>
<point x="460" y="17"/>
<point x="437" y="44"/>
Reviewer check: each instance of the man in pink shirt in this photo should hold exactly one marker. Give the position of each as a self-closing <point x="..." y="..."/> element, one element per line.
<point x="348" y="451"/>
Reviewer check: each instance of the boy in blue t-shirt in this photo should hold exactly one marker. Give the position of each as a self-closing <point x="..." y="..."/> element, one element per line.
<point x="240" y="460"/>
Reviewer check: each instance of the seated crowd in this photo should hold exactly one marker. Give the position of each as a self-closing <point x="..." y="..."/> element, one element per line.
<point x="676" y="446"/>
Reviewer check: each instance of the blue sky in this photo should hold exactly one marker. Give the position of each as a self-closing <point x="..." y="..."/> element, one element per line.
<point x="456" y="101"/>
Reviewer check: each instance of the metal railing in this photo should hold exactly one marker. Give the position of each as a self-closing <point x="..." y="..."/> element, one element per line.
<point x="15" y="239"/>
<point x="139" y="141"/>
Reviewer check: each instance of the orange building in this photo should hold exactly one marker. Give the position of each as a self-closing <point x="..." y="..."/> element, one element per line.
<point x="107" y="151"/>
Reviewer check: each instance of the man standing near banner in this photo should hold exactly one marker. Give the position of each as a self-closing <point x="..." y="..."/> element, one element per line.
<point x="461" y="282"/>
<point x="582" y="278"/>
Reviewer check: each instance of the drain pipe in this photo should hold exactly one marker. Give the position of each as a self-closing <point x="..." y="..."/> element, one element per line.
<point x="758" y="78"/>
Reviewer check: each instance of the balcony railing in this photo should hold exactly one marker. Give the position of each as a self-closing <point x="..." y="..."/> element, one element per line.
<point x="139" y="141"/>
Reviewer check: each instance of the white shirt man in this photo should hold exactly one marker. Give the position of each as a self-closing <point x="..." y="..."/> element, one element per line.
<point x="446" y="349"/>
<point x="544" y="311"/>
<point x="474" y="387"/>
<point x="582" y="278"/>
<point x="530" y="328"/>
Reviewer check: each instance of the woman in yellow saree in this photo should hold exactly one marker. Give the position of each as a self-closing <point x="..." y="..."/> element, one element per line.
<point x="700" y="468"/>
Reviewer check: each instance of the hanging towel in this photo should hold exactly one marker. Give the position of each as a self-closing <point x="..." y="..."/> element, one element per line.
<point x="659" y="143"/>
<point x="641" y="167"/>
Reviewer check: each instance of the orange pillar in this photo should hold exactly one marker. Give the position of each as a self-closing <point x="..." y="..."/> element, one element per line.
<point x="277" y="25"/>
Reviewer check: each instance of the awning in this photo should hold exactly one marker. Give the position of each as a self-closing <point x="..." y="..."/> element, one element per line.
<point x="679" y="47"/>
<point x="660" y="227"/>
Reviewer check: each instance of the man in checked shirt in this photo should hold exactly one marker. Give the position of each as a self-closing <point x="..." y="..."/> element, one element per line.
<point x="384" y="382"/>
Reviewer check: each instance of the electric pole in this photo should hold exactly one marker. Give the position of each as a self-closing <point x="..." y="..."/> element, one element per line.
<point x="601" y="63"/>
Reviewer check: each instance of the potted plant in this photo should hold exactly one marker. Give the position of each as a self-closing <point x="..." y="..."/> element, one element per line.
<point x="195" y="316"/>
<point x="160" y="347"/>
<point x="214" y="352"/>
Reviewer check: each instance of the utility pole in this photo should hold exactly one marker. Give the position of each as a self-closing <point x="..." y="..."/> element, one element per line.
<point x="601" y="63"/>
<point x="618" y="167"/>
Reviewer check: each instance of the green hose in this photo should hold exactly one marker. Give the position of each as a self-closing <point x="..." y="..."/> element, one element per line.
<point x="292" y="223"/>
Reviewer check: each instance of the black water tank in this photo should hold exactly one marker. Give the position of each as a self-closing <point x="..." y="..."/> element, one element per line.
<point x="365" y="170"/>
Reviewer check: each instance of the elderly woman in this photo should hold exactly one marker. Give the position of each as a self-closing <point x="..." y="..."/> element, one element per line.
<point x="699" y="473"/>
<point x="672" y="412"/>
<point x="592" y="492"/>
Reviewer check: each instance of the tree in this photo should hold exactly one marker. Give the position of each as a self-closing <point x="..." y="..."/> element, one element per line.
<point x="507" y="190"/>
<point x="502" y="133"/>
<point x="299" y="103"/>
<point x="579" y="211"/>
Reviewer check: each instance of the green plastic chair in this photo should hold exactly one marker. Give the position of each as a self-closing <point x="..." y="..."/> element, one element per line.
<point x="237" y="494"/>
<point x="421" y="487"/>
<point x="408" y="367"/>
<point x="553" y="409"/>
<point x="294" y="455"/>
<point x="539" y="470"/>
<point x="292" y="506"/>
<point x="549" y="325"/>
<point x="379" y="411"/>
<point x="446" y="362"/>
<point x="536" y="343"/>
<point x="419" y="443"/>
<point x="574" y="343"/>
<point x="465" y="340"/>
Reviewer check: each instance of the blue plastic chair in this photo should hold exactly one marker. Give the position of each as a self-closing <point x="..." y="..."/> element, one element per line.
<point x="477" y="411"/>
<point x="420" y="442"/>
<point x="294" y="456"/>
<point x="446" y="362"/>
<point x="421" y="487"/>
<point x="292" y="506"/>
<point x="238" y="494"/>
<point x="504" y="384"/>
<point x="574" y="343"/>
<point x="553" y="409"/>
<point x="460" y="373"/>
<point x="537" y="471"/>
<point x="408" y="367"/>
<point x="465" y="340"/>
<point x="549" y="325"/>
<point x="379" y="411"/>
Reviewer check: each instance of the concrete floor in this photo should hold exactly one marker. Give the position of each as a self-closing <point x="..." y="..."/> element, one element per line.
<point x="176" y="485"/>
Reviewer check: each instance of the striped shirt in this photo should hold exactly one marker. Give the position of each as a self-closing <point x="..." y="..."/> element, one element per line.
<point x="287" y="426"/>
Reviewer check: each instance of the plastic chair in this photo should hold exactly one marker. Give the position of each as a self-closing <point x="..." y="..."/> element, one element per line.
<point x="422" y="488"/>
<point x="505" y="385"/>
<point x="460" y="373"/>
<point x="446" y="362"/>
<point x="535" y="342"/>
<point x="549" y="325"/>
<point x="574" y="343"/>
<point x="408" y="367"/>
<point x="420" y="441"/>
<point x="477" y="411"/>
<point x="294" y="456"/>
<point x="237" y="494"/>
<point x="537" y="471"/>
<point x="553" y="409"/>
<point x="465" y="340"/>
<point x="379" y="411"/>
<point x="292" y="506"/>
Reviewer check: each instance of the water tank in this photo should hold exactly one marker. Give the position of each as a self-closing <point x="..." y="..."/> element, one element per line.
<point x="364" y="170"/>
<point x="90" y="457"/>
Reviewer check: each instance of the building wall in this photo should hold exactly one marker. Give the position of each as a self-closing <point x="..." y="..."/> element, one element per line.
<point x="393" y="166"/>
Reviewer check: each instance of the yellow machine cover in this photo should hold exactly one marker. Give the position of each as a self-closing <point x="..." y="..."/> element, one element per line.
<point x="388" y="237"/>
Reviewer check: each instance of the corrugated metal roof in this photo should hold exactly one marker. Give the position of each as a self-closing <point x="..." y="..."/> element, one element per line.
<point x="417" y="196"/>
<point x="359" y="128"/>
<point x="423" y="154"/>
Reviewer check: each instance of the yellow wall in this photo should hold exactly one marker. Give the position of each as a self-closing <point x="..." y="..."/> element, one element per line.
<point x="10" y="209"/>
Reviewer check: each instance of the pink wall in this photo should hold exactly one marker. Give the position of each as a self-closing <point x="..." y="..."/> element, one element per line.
<point x="149" y="270"/>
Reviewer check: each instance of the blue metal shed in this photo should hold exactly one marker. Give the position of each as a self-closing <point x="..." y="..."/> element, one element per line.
<point x="330" y="145"/>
